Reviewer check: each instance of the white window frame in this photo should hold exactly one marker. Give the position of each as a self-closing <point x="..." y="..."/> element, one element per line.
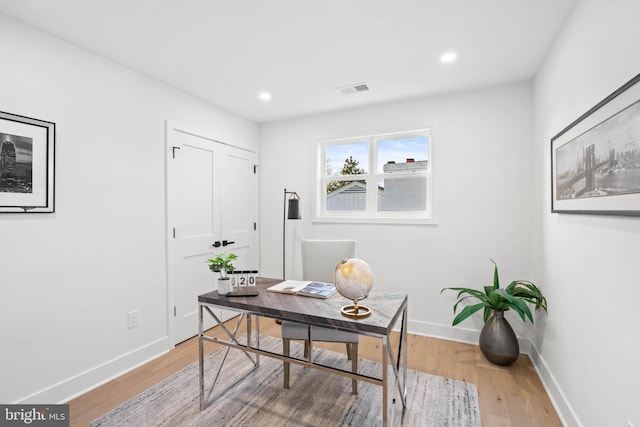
<point x="371" y="214"/>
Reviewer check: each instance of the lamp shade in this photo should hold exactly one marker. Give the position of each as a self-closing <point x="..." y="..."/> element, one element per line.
<point x="294" y="209"/>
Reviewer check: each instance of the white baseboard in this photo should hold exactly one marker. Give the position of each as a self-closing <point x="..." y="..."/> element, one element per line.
<point x="457" y="333"/>
<point x="88" y="380"/>
<point x="564" y="409"/>
<point x="434" y="330"/>
<point x="471" y="336"/>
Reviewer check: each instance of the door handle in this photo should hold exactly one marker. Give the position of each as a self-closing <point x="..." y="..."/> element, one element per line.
<point x="217" y="244"/>
<point x="225" y="243"/>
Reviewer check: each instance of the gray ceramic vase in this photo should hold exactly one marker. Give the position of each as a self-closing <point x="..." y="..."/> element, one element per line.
<point x="498" y="342"/>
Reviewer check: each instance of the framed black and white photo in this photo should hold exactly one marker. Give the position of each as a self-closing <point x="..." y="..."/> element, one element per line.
<point x="595" y="161"/>
<point x="27" y="163"/>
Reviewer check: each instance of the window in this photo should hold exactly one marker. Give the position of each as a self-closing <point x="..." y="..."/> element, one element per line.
<point x="376" y="178"/>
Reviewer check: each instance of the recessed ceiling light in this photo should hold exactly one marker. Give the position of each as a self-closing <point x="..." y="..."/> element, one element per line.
<point x="264" y="96"/>
<point x="448" y="57"/>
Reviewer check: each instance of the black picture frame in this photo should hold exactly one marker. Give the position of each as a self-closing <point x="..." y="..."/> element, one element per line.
<point x="595" y="161"/>
<point x="27" y="164"/>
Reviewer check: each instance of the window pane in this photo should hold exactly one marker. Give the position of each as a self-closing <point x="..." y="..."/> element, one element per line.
<point x="346" y="196"/>
<point x="402" y="194"/>
<point x="402" y="150"/>
<point x="347" y="159"/>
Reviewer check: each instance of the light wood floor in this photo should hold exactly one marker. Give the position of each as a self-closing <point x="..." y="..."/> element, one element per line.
<point x="512" y="396"/>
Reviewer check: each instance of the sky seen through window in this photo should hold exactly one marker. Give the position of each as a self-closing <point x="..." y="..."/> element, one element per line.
<point x="397" y="149"/>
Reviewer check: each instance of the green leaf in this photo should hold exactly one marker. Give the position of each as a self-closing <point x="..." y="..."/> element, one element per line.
<point x="455" y="307"/>
<point x="496" y="281"/>
<point x="487" y="313"/>
<point x="528" y="292"/>
<point x="518" y="306"/>
<point x="466" y="312"/>
<point x="472" y="292"/>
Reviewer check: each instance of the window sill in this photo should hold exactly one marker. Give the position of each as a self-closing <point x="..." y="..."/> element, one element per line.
<point x="374" y="220"/>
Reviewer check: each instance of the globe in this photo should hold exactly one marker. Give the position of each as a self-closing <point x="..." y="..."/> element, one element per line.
<point x="354" y="279"/>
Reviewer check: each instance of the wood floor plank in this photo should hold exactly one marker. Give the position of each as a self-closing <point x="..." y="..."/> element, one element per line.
<point x="508" y="395"/>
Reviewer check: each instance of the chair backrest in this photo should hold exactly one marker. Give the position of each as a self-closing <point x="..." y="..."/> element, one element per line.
<point x="320" y="257"/>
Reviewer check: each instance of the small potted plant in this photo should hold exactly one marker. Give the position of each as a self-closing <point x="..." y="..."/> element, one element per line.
<point x="498" y="341"/>
<point x="222" y="264"/>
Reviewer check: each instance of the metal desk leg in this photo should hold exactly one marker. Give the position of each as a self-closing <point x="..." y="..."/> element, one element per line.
<point x="399" y="366"/>
<point x="201" y="354"/>
<point x="250" y="335"/>
<point x="399" y="363"/>
<point x="405" y="350"/>
<point x="257" y="339"/>
<point x="385" y="414"/>
<point x="249" y="330"/>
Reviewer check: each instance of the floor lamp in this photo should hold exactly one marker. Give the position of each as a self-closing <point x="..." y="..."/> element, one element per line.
<point x="294" y="213"/>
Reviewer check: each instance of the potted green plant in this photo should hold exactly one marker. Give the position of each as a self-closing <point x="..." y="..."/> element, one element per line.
<point x="223" y="264"/>
<point x="498" y="341"/>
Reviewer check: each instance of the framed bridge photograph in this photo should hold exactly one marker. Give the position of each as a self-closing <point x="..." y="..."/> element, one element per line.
<point x="27" y="162"/>
<point x="595" y="161"/>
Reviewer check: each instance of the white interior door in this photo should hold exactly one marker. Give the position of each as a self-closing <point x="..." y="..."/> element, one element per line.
<point x="211" y="188"/>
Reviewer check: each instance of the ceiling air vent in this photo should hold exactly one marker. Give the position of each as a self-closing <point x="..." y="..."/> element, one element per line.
<point x="358" y="87"/>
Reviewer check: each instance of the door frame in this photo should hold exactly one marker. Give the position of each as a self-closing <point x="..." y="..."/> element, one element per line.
<point x="170" y="215"/>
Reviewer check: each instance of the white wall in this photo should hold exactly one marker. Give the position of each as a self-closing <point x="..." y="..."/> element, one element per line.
<point x="590" y="346"/>
<point x="68" y="279"/>
<point x="482" y="185"/>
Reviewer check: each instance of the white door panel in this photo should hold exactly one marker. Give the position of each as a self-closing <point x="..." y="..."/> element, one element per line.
<point x="196" y="228"/>
<point x="237" y="210"/>
<point x="237" y="195"/>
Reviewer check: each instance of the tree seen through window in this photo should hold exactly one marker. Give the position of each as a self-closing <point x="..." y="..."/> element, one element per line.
<point x="350" y="167"/>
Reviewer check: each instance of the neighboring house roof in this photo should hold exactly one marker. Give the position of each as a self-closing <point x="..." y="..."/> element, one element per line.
<point x="352" y="187"/>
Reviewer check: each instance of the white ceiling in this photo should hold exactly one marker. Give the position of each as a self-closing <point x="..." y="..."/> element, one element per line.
<point x="301" y="51"/>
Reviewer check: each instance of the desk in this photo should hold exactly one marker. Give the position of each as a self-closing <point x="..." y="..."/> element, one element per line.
<point x="387" y="310"/>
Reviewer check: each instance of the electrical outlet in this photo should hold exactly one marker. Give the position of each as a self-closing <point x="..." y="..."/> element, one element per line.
<point x="132" y="319"/>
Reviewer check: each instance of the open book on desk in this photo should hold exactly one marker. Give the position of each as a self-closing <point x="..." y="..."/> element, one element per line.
<point x="304" y="288"/>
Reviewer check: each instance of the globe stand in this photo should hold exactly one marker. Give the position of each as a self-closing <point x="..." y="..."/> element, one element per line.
<point x="355" y="311"/>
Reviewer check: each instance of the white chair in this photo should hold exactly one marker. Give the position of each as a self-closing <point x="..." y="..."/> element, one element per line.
<point x="319" y="260"/>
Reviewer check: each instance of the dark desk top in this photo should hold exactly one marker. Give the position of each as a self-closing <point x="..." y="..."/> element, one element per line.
<point x="385" y="308"/>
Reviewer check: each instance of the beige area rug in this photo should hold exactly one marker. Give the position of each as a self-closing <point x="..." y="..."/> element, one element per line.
<point x="314" y="398"/>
